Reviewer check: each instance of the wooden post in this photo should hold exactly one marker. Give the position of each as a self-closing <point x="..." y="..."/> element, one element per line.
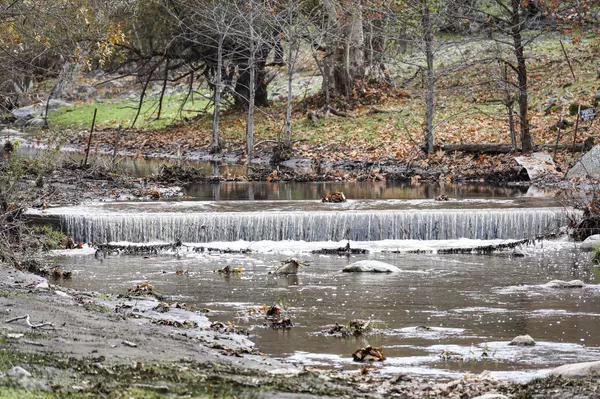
<point x="568" y="60"/>
<point x="576" y="128"/>
<point x="115" y="148"/>
<point x="556" y="145"/>
<point x="87" y="150"/>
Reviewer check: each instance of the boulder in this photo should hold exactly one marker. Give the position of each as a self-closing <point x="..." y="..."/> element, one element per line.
<point x="18" y="372"/>
<point x="522" y="340"/>
<point x="370" y="266"/>
<point x="590" y="243"/>
<point x="27" y="112"/>
<point x="565" y="284"/>
<point x="35" y="122"/>
<point x="35" y="110"/>
<point x="56" y="104"/>
<point x="577" y="370"/>
<point x="588" y="165"/>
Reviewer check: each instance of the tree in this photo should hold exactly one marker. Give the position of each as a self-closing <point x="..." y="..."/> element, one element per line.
<point x="508" y="19"/>
<point x="345" y="45"/>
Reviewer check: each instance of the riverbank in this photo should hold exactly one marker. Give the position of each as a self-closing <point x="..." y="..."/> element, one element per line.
<point x="93" y="350"/>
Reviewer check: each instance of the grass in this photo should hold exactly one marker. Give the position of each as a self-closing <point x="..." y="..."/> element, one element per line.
<point x="468" y="110"/>
<point x="113" y="113"/>
<point x="596" y="254"/>
<point x="52" y="239"/>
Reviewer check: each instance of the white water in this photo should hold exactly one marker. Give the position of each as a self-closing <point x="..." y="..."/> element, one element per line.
<point x="312" y="225"/>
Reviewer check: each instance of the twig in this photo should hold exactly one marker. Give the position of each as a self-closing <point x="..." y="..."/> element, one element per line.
<point x="28" y="322"/>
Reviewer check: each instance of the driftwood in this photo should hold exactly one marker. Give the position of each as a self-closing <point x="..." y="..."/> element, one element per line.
<point x="28" y="322"/>
<point x="137" y="249"/>
<point x="484" y="249"/>
<point x="341" y="251"/>
<point x="505" y="148"/>
<point x="103" y="249"/>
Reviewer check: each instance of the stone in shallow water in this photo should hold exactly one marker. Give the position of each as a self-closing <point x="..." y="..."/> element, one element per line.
<point x="577" y="370"/>
<point x="522" y="340"/>
<point x="565" y="284"/>
<point x="370" y="266"/>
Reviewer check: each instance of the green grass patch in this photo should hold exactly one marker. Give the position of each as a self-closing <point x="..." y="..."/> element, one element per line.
<point x="114" y="112"/>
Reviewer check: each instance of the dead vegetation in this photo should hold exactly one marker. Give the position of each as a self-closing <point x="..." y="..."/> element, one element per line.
<point x="354" y="328"/>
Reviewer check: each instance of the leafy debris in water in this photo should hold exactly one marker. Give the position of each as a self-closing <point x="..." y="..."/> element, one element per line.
<point x="354" y="328"/>
<point x="368" y="354"/>
<point x="230" y="270"/>
<point x="228" y="327"/>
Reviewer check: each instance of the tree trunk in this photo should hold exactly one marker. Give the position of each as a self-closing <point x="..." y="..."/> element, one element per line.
<point x="215" y="145"/>
<point x="252" y="90"/>
<point x="526" y="139"/>
<point x="288" y="111"/>
<point x="347" y="45"/>
<point x="430" y="106"/>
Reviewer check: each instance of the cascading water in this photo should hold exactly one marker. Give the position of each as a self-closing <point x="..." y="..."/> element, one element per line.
<point x="356" y="225"/>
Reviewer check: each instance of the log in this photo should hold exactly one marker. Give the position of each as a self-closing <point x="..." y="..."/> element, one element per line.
<point x="479" y="148"/>
<point x="504" y="148"/>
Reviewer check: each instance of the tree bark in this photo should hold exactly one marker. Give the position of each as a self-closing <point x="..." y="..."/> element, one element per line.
<point x="430" y="106"/>
<point x="215" y="145"/>
<point x="251" y="88"/>
<point x="516" y="28"/>
<point x="347" y="45"/>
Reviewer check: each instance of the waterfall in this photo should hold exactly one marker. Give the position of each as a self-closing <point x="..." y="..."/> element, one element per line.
<point x="314" y="226"/>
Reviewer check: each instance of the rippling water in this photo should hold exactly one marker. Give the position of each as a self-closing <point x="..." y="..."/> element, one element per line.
<point x="472" y="303"/>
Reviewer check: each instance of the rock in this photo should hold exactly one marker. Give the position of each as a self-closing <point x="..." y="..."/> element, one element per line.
<point x="370" y="266"/>
<point x="36" y="122"/>
<point x="56" y="104"/>
<point x="590" y="243"/>
<point x="491" y="396"/>
<point x="565" y="284"/>
<point x="18" y="372"/>
<point x="289" y="266"/>
<point x="522" y="340"/>
<point x="11" y="133"/>
<point x="577" y="370"/>
<point x="588" y="165"/>
<point x="27" y="112"/>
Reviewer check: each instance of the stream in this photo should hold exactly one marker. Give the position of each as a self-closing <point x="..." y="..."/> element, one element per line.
<point x="472" y="304"/>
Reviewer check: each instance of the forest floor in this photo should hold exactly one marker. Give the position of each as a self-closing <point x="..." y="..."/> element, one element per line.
<point x="383" y="126"/>
<point x="93" y="349"/>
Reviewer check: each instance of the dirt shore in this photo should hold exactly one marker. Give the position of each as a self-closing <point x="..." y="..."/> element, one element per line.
<point x="93" y="349"/>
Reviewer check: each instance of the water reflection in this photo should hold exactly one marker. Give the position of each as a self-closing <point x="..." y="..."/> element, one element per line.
<point x="262" y="191"/>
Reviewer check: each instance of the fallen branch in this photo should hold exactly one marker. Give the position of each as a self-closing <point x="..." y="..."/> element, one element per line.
<point x="28" y="322"/>
<point x="488" y="148"/>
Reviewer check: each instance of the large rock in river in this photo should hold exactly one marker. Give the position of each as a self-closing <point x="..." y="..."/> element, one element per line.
<point x="577" y="370"/>
<point x="370" y="266"/>
<point x="588" y="165"/>
<point x="590" y="243"/>
<point x="565" y="284"/>
<point x="522" y="340"/>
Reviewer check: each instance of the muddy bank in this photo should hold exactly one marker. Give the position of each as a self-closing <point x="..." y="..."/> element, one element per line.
<point x="303" y="163"/>
<point x="93" y="348"/>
